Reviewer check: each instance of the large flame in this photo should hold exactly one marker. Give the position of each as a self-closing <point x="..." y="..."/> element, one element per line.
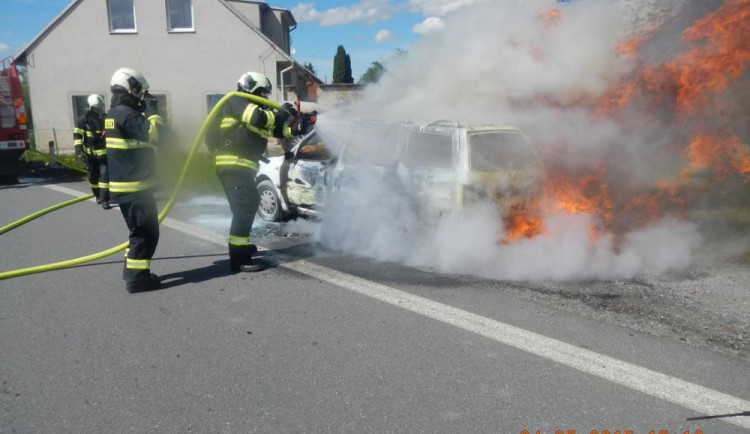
<point x="684" y="90"/>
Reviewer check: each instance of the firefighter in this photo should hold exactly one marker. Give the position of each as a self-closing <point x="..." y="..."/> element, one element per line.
<point x="88" y="139"/>
<point x="131" y="126"/>
<point x="242" y="129"/>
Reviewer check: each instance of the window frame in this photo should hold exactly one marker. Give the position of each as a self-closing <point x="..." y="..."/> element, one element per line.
<point x="112" y="30"/>
<point x="172" y="29"/>
<point x="163" y="104"/>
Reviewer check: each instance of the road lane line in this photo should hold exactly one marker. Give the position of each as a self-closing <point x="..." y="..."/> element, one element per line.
<point x="698" y="398"/>
<point x="689" y="395"/>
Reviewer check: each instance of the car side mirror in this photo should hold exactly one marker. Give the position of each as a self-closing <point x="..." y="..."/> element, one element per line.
<point x="288" y="155"/>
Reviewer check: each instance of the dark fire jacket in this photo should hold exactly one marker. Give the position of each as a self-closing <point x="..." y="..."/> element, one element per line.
<point x="244" y="129"/>
<point x="88" y="135"/>
<point x="130" y="138"/>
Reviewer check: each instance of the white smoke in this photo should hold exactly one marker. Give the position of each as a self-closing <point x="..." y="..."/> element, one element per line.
<point x="503" y="63"/>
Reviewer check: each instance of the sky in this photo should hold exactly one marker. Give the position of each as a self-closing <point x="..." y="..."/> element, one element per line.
<point x="369" y="30"/>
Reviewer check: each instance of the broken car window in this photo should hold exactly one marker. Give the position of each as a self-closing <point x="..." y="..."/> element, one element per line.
<point x="429" y="150"/>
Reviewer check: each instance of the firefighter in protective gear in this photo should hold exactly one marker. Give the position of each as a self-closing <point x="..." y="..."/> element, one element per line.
<point x="130" y="126"/>
<point x="242" y="136"/>
<point x="88" y="139"/>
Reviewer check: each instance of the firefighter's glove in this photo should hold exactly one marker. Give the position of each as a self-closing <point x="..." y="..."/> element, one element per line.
<point x="288" y="111"/>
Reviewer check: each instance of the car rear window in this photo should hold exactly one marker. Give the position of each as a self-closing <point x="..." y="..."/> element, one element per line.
<point x="500" y="150"/>
<point x="428" y="150"/>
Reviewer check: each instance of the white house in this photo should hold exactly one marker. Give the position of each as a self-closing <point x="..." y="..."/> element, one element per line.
<point x="190" y="51"/>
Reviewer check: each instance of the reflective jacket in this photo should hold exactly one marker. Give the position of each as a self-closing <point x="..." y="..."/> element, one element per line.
<point x="130" y="137"/>
<point x="244" y="129"/>
<point x="88" y="135"/>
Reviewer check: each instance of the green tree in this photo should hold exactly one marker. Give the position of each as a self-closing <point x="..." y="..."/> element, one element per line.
<point x="309" y="66"/>
<point x="348" y="79"/>
<point x="373" y="73"/>
<point x="342" y="67"/>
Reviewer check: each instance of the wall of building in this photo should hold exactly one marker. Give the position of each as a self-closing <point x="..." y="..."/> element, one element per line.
<point x="79" y="55"/>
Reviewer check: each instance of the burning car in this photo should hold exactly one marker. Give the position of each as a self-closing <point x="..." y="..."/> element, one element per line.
<point x="440" y="167"/>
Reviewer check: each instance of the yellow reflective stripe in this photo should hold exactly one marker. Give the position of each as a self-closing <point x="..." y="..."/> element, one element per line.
<point x="100" y="152"/>
<point x="104" y="185"/>
<point x="113" y="143"/>
<point x="239" y="241"/>
<point x="77" y="142"/>
<point x="78" y="131"/>
<point x="127" y="249"/>
<point x="93" y="133"/>
<point x="93" y="185"/>
<point x="156" y="119"/>
<point x="247" y="115"/>
<point x="229" y="123"/>
<point x="153" y="130"/>
<point x="287" y="132"/>
<point x="138" y="264"/>
<point x="270" y="119"/>
<point x="233" y="160"/>
<point x="130" y="187"/>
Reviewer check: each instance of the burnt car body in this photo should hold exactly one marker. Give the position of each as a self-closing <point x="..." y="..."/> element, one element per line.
<point x="442" y="167"/>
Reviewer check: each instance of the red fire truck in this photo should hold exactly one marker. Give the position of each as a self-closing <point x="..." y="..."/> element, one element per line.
<point x="14" y="133"/>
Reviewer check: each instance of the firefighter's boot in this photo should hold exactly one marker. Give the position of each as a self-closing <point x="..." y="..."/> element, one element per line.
<point x="140" y="280"/>
<point x="241" y="258"/>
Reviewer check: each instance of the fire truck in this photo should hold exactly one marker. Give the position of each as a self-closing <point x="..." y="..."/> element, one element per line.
<point x="14" y="133"/>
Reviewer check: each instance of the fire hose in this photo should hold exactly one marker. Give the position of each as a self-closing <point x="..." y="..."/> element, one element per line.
<point x="30" y="217"/>
<point x="167" y="207"/>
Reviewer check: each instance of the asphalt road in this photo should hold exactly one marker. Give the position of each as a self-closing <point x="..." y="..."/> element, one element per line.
<point x="318" y="343"/>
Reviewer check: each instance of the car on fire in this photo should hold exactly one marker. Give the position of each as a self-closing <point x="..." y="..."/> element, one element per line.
<point x="442" y="166"/>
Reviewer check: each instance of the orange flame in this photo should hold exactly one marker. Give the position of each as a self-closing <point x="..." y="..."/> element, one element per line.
<point x="683" y="90"/>
<point x="630" y="46"/>
<point x="522" y="225"/>
<point x="722" y="49"/>
<point x="725" y="155"/>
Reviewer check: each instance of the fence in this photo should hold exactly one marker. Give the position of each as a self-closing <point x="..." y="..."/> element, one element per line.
<point x="62" y="138"/>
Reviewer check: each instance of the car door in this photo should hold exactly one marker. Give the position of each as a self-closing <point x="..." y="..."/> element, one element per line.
<point x="306" y="183"/>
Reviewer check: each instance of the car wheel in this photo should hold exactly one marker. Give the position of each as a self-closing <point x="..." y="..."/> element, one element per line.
<point x="269" y="208"/>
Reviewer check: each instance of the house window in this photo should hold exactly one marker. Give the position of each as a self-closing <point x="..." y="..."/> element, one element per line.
<point x="161" y="103"/>
<point x="180" y="15"/>
<point x="80" y="105"/>
<point x="121" y="16"/>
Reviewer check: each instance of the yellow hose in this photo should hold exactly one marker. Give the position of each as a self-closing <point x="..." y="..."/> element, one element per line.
<point x="28" y="218"/>
<point x="196" y="144"/>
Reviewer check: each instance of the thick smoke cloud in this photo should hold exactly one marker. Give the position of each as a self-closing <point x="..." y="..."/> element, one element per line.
<point x="517" y="63"/>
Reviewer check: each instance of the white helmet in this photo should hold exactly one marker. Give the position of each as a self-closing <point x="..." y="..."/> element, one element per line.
<point x="129" y="81"/>
<point x="96" y="102"/>
<point x="255" y="83"/>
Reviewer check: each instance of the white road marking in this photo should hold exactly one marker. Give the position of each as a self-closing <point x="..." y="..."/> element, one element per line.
<point x="700" y="399"/>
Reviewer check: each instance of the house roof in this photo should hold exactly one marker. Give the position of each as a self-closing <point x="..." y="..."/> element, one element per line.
<point x="282" y="10"/>
<point x="21" y="56"/>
